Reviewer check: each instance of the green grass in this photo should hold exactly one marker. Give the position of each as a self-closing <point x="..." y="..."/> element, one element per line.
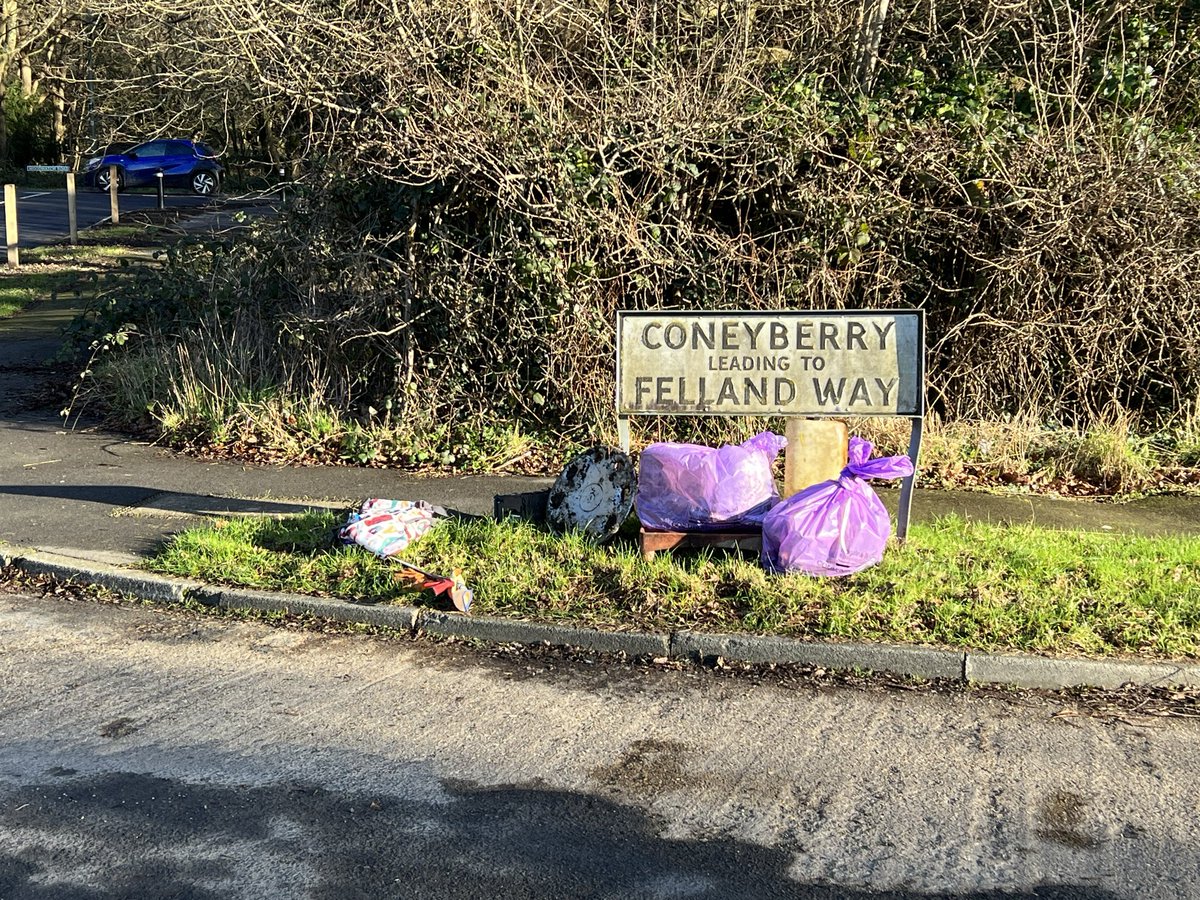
<point x="18" y="289"/>
<point x="82" y="253"/>
<point x="115" y="234"/>
<point x="954" y="583"/>
<point x="57" y="267"/>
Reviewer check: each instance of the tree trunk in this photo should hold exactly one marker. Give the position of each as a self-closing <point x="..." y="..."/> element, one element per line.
<point x="3" y="132"/>
<point x="60" y="125"/>
<point x="869" y="37"/>
<point x="269" y="143"/>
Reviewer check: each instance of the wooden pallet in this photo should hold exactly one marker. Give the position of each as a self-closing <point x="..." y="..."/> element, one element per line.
<point x="650" y="542"/>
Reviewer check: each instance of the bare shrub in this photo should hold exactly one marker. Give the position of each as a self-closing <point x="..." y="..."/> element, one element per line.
<point x="501" y="178"/>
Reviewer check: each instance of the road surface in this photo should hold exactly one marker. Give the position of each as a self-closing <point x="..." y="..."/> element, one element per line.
<point x="147" y="754"/>
<point x="42" y="215"/>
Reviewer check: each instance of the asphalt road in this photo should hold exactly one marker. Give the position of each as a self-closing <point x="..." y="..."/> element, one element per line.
<point x="42" y="215"/>
<point x="147" y="754"/>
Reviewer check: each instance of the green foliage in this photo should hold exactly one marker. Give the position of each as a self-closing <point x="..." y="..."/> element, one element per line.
<point x="1127" y="73"/>
<point x="30" y="123"/>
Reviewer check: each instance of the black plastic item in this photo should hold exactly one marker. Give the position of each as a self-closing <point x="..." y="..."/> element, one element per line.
<point x="594" y="494"/>
<point x="530" y="506"/>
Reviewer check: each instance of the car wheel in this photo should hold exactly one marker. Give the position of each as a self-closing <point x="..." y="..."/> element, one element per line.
<point x="102" y="179"/>
<point x="204" y="183"/>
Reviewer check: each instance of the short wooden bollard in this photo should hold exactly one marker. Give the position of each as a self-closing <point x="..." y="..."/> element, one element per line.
<point x="10" y="225"/>
<point x="72" y="213"/>
<point x="112" y="194"/>
<point x="816" y="452"/>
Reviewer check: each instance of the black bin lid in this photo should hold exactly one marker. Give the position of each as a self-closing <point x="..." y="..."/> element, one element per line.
<point x="593" y="494"/>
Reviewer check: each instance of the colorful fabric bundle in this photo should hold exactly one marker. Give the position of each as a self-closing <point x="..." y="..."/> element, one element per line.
<point x="386" y="527"/>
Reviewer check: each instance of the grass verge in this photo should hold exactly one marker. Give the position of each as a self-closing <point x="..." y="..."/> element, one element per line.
<point x="954" y="583"/>
<point x="20" y="288"/>
<point x="58" y="268"/>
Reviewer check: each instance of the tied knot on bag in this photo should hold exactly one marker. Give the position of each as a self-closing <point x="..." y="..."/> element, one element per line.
<point x="859" y="463"/>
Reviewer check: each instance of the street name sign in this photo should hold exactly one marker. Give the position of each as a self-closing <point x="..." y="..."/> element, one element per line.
<point x="829" y="363"/>
<point x="812" y="363"/>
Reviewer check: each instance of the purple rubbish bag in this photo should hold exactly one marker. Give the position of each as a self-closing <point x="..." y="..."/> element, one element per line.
<point x="688" y="487"/>
<point x="837" y="527"/>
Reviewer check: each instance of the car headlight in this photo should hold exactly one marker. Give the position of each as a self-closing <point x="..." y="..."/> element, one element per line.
<point x="92" y="163"/>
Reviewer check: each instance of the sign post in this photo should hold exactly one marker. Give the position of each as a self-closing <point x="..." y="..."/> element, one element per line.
<point x="817" y="363"/>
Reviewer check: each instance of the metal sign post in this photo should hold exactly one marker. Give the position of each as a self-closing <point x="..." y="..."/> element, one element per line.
<point x="907" y="485"/>
<point x="816" y="363"/>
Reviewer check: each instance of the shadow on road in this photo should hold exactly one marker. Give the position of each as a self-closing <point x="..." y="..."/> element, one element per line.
<point x="124" y="835"/>
<point x="151" y="500"/>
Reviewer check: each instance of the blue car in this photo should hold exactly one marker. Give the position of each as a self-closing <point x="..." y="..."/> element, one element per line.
<point x="185" y="164"/>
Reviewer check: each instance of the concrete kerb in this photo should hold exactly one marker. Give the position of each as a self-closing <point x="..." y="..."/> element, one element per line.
<point x="1054" y="673"/>
<point x="509" y="631"/>
<point x="918" y="662"/>
<point x="157" y="588"/>
<point x="1019" y="670"/>
<point x="398" y="618"/>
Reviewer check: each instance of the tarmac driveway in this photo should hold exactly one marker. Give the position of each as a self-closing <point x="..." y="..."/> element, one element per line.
<point x="42" y="215"/>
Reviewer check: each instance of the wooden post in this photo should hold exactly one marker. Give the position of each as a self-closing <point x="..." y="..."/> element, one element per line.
<point x="112" y="195"/>
<point x="10" y="225"/>
<point x="816" y="452"/>
<point x="72" y="213"/>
